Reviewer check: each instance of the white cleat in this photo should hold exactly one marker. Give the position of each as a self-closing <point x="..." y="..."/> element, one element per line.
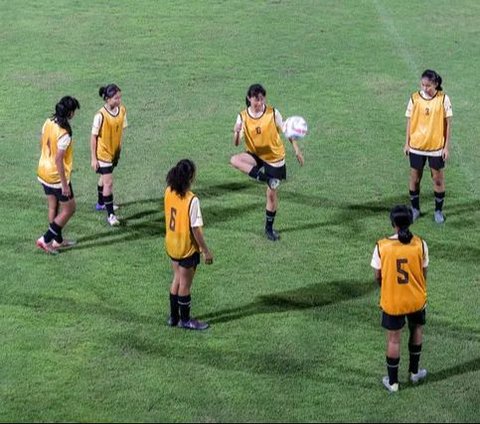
<point x="419" y="376"/>
<point x="392" y="388"/>
<point x="113" y="220"/>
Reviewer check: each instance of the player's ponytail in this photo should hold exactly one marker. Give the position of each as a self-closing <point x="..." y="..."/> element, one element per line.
<point x="180" y="177"/>
<point x="432" y="76"/>
<point x="253" y="91"/>
<point x="108" y="91"/>
<point x="401" y="217"/>
<point x="64" y="110"/>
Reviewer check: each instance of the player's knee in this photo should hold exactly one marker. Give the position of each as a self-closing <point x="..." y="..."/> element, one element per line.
<point x="234" y="161"/>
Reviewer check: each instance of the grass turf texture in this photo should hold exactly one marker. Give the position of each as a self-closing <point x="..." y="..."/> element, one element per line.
<point x="295" y="328"/>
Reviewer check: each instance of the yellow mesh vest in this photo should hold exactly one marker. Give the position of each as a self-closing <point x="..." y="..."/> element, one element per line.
<point x="262" y="137"/>
<point x="403" y="288"/>
<point x="427" y="123"/>
<point x="47" y="169"/>
<point x="110" y="134"/>
<point x="179" y="240"/>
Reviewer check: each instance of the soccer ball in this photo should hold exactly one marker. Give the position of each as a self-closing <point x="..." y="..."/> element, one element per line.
<point x="295" y="127"/>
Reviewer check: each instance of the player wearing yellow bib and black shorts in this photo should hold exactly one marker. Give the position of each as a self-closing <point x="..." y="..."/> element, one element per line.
<point x="400" y="263"/>
<point x="184" y="242"/>
<point x="429" y="121"/>
<point x="264" y="159"/>
<point x="54" y="171"/>
<point x="106" y="145"/>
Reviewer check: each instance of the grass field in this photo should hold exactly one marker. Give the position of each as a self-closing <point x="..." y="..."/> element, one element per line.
<point x="295" y="330"/>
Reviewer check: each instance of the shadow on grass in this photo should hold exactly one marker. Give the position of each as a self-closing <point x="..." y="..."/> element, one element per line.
<point x="154" y="225"/>
<point x="312" y="296"/>
<point x="52" y="304"/>
<point x="464" y="368"/>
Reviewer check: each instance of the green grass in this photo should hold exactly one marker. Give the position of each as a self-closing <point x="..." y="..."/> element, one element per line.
<point x="295" y="330"/>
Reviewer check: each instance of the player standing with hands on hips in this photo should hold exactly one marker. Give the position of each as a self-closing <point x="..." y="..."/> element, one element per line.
<point x="429" y="125"/>
<point x="264" y="158"/>
<point x="106" y="144"/>
<point x="400" y="264"/>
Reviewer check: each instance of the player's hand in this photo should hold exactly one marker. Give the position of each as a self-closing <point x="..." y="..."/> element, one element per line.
<point x="66" y="191"/>
<point x="445" y="154"/>
<point x="300" y="158"/>
<point x="94" y="164"/>
<point x="208" y="257"/>
<point x="406" y="149"/>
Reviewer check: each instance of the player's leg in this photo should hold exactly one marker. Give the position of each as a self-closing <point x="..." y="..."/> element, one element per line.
<point x="100" y="206"/>
<point x="53" y="238"/>
<point x="417" y="163"/>
<point x="438" y="176"/>
<point x="53" y="206"/>
<point x="174" y="287"/>
<point x="270" y="212"/>
<point x="186" y="272"/>
<point x="416" y="321"/>
<point x="107" y="179"/>
<point x="393" y="324"/>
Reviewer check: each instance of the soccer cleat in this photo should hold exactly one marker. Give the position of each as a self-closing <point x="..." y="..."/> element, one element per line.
<point x="392" y="388"/>
<point x="113" y="220"/>
<point x="171" y="322"/>
<point x="193" y="324"/>
<point x="419" y="376"/>
<point x="416" y="214"/>
<point x="272" y="235"/>
<point x="99" y="207"/>
<point x="46" y="247"/>
<point x="273" y="183"/>
<point x="439" y="217"/>
<point x="65" y="244"/>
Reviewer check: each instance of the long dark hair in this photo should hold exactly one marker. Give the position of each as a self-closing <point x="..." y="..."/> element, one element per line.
<point x="63" y="112"/>
<point x="432" y="76"/>
<point x="108" y="91"/>
<point x="253" y="91"/>
<point x="402" y="217"/>
<point x="180" y="177"/>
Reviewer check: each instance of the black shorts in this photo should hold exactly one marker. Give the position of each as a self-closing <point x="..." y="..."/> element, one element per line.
<point x="188" y="262"/>
<point x="104" y="170"/>
<point x="279" y="172"/>
<point x="418" y="161"/>
<point x="396" y="322"/>
<point x="57" y="192"/>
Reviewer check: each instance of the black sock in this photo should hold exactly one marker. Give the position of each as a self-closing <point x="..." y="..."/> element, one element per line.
<point x="58" y="238"/>
<point x="258" y="175"/>
<point x="415" y="351"/>
<point x="415" y="199"/>
<point x="53" y="230"/>
<point x="100" y="194"/>
<point x="185" y="302"/>
<point x="392" y="368"/>
<point x="269" y="218"/>
<point x="174" y="311"/>
<point x="439" y="198"/>
<point x="109" y="204"/>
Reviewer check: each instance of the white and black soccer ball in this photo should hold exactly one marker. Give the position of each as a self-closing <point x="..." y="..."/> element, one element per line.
<point x="295" y="127"/>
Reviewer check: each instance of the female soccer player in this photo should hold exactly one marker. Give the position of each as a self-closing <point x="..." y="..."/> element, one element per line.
<point x="183" y="241"/>
<point x="264" y="159"/>
<point x="106" y="144"/>
<point x="400" y="264"/>
<point x="429" y="122"/>
<point x="54" y="170"/>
